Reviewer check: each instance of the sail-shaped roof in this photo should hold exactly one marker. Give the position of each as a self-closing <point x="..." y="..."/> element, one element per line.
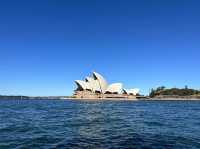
<point x="114" y="88"/>
<point x="133" y="91"/>
<point x="94" y="84"/>
<point x="101" y="81"/>
<point x="82" y="85"/>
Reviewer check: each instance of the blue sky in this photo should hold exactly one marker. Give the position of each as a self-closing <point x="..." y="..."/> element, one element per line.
<point x="47" y="44"/>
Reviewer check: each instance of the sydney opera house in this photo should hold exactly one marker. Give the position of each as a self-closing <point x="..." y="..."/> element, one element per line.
<point x="96" y="86"/>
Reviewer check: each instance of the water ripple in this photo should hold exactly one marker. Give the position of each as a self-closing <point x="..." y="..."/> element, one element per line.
<point x="99" y="124"/>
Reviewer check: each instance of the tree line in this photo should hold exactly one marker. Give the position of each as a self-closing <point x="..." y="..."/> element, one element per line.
<point x="162" y="90"/>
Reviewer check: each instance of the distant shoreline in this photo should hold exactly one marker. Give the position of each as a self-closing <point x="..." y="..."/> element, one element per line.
<point x="146" y="98"/>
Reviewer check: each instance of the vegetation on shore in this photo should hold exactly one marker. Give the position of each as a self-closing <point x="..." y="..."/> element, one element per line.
<point x="163" y="91"/>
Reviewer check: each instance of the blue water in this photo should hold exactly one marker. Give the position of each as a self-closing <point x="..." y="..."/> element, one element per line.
<point x="99" y="124"/>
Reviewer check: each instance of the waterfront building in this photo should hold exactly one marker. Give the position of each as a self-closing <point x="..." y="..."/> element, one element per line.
<point x="96" y="86"/>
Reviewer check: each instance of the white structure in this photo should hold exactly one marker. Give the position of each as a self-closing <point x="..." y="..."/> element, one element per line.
<point x="82" y="85"/>
<point x="94" y="85"/>
<point x="102" y="82"/>
<point x="98" y="84"/>
<point x="133" y="91"/>
<point x="115" y="88"/>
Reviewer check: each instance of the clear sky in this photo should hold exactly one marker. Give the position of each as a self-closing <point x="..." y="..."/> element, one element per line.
<point x="47" y="44"/>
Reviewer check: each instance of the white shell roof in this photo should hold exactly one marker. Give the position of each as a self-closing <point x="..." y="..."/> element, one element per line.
<point x="94" y="85"/>
<point x="114" y="88"/>
<point x="133" y="91"/>
<point x="101" y="81"/>
<point x="84" y="85"/>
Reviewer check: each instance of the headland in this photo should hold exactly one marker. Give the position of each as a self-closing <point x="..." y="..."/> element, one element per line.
<point x="163" y="93"/>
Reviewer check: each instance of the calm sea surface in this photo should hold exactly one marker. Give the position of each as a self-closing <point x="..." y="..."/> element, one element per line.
<point x="99" y="124"/>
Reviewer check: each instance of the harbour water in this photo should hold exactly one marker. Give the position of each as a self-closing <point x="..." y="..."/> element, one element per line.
<point x="99" y="124"/>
